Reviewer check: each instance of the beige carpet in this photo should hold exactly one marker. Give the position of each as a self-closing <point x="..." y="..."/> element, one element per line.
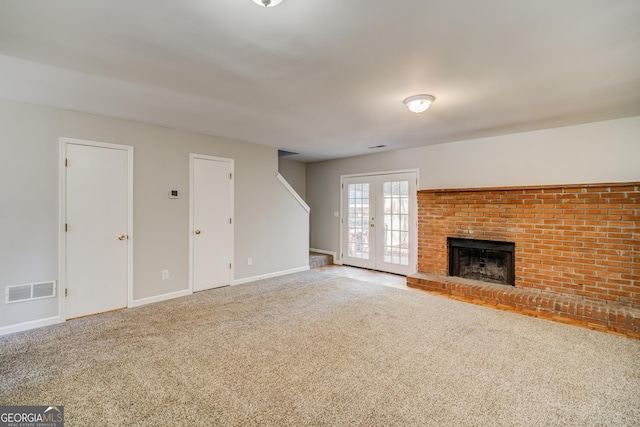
<point x="315" y="349"/>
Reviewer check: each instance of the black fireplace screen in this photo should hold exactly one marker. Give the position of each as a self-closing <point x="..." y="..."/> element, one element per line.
<point x="484" y="260"/>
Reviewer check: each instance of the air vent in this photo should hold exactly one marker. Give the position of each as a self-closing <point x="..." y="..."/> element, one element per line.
<point x="18" y="293"/>
<point x="30" y="292"/>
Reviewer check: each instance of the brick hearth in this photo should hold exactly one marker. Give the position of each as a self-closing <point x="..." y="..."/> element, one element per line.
<point x="577" y="249"/>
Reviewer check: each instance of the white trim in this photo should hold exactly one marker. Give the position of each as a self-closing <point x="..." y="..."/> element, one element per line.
<point x="417" y="171"/>
<point x="62" y="240"/>
<point x="33" y="324"/>
<point x="270" y="275"/>
<point x="192" y="157"/>
<point x="338" y="259"/>
<point x="294" y="193"/>
<point x="62" y="203"/>
<point x="163" y="297"/>
<point x="333" y="254"/>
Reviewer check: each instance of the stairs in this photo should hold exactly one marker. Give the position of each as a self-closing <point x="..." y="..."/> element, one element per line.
<point x="319" y="260"/>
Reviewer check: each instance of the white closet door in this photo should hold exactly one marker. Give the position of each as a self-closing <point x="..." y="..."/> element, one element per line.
<point x="97" y="222"/>
<point x="212" y="226"/>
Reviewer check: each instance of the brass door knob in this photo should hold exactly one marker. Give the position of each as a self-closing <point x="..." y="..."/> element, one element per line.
<point x="198" y="231"/>
<point x="122" y="237"/>
<point x="373" y="225"/>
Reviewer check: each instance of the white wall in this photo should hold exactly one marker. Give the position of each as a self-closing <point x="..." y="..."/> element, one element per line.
<point x="597" y="152"/>
<point x="295" y="173"/>
<point x="270" y="225"/>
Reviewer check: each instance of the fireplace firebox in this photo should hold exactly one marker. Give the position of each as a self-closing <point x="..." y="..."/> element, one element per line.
<point x="484" y="260"/>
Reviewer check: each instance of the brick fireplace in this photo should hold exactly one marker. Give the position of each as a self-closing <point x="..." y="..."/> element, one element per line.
<point x="576" y="249"/>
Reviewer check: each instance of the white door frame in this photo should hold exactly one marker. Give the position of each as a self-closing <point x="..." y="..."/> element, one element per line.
<point x="62" y="262"/>
<point x="414" y="239"/>
<point x="192" y="157"/>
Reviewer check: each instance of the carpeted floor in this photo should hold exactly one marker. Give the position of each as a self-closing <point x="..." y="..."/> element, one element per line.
<point x="315" y="349"/>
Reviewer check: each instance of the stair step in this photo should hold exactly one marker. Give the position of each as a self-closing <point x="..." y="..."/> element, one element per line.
<point x="318" y="260"/>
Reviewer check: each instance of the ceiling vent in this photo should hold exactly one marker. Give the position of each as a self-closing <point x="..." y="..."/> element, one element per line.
<point x="30" y="292"/>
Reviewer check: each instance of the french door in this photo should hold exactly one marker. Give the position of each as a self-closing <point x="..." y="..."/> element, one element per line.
<point x="379" y="222"/>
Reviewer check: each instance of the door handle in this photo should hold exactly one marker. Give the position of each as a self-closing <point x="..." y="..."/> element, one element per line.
<point x="122" y="237"/>
<point x="198" y="231"/>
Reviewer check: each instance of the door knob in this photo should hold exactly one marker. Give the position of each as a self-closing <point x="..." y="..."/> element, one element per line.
<point x="122" y="237"/>
<point x="373" y="225"/>
<point x="198" y="231"/>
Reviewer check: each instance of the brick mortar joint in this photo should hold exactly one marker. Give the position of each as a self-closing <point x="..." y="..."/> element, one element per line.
<point x="552" y="300"/>
<point x="530" y="187"/>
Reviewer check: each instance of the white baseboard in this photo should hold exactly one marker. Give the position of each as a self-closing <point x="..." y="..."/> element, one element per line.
<point x="158" y="298"/>
<point x="270" y="275"/>
<point x="11" y="329"/>
<point x="322" y="251"/>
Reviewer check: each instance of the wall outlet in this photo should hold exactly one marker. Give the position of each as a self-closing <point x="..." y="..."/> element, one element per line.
<point x="249" y="261"/>
<point x="165" y="274"/>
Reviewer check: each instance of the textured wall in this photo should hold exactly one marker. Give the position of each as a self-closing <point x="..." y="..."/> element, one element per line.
<point x="576" y="240"/>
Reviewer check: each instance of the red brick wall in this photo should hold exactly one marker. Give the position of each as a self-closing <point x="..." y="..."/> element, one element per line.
<point x="581" y="240"/>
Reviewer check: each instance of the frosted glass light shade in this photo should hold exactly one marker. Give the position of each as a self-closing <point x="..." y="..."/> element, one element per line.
<point x="267" y="3"/>
<point x="419" y="103"/>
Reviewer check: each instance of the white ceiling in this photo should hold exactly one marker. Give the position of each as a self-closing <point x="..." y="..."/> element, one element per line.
<point x="326" y="78"/>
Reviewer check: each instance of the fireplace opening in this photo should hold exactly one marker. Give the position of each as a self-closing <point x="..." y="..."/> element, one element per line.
<point x="483" y="260"/>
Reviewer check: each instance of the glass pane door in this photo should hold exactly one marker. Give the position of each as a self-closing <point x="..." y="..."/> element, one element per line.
<point x="395" y="248"/>
<point x="379" y="222"/>
<point x="357" y="223"/>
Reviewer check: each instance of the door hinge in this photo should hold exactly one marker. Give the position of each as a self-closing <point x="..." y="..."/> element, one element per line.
<point x="229" y="266"/>
<point x="65" y="292"/>
<point x="229" y="220"/>
<point x="66" y="227"/>
<point x="230" y="176"/>
<point x="66" y="163"/>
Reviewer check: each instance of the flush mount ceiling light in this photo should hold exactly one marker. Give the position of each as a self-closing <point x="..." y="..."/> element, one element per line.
<point x="267" y="3"/>
<point x="419" y="103"/>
